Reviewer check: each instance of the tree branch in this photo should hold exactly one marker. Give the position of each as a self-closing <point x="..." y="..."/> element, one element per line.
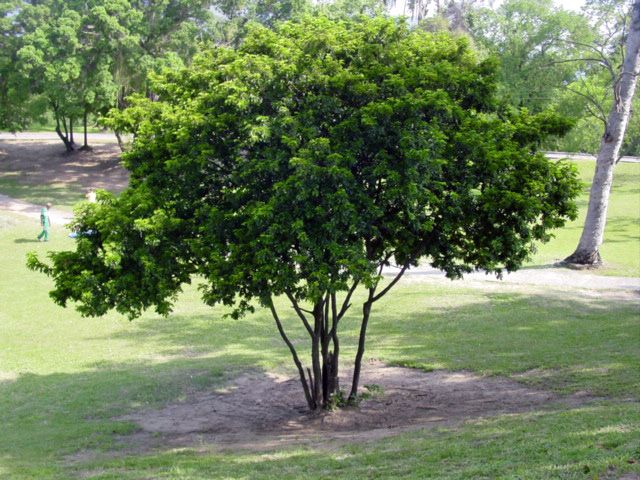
<point x="294" y="354"/>
<point x="347" y="299"/>
<point x="601" y="115"/>
<point x="300" y="313"/>
<point x="375" y="298"/>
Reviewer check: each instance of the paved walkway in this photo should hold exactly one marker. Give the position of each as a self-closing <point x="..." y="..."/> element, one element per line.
<point x="541" y="276"/>
<point x="58" y="217"/>
<point x="555" y="277"/>
<point x="585" y="156"/>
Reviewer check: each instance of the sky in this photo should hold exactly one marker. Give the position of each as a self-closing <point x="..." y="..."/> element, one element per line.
<point x="574" y="5"/>
<point x="571" y="4"/>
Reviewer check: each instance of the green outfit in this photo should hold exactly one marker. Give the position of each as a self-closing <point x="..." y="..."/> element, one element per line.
<point x="46" y="224"/>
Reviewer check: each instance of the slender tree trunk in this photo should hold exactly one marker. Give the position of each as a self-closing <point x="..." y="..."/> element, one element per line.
<point x="588" y="250"/>
<point x="120" y="141"/>
<point x="315" y="353"/>
<point x="86" y="140"/>
<point x="63" y="136"/>
<point x="71" y="139"/>
<point x="294" y="354"/>
<point x="366" y="313"/>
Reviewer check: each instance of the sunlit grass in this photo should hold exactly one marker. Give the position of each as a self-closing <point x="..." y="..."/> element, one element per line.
<point x="63" y="380"/>
<point x="621" y="248"/>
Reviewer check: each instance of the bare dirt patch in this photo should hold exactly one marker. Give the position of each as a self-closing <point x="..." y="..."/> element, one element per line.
<point x="44" y="162"/>
<point x="260" y="411"/>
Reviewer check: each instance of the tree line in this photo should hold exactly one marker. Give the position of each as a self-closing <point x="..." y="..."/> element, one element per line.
<point x="75" y="60"/>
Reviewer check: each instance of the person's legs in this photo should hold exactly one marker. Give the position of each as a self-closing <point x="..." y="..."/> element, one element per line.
<point x="44" y="234"/>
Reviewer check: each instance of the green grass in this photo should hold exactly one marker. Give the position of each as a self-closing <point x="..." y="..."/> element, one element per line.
<point x="63" y="379"/>
<point x="63" y="196"/>
<point x="621" y="247"/>
<point x="581" y="444"/>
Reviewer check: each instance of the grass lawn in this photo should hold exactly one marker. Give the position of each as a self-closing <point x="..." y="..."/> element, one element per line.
<point x="64" y="379"/>
<point x="621" y="247"/>
<point x="63" y="196"/>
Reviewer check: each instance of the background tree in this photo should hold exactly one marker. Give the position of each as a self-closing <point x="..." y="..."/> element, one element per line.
<point x="302" y="164"/>
<point x="14" y="90"/>
<point x="624" y="87"/>
<point x="535" y="42"/>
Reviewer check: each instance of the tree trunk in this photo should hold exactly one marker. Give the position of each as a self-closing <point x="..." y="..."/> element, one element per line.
<point x="366" y="313"/>
<point x="120" y="141"/>
<point x="305" y="385"/>
<point x="63" y="136"/>
<point x="588" y="250"/>
<point x="86" y="142"/>
<point x="73" y="142"/>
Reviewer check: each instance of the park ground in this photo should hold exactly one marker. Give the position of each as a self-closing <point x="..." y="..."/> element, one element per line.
<point x="532" y="377"/>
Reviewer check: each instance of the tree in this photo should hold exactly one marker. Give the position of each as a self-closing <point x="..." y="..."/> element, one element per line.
<point x="64" y="55"/>
<point x="14" y="90"/>
<point x="534" y="41"/>
<point x="588" y="249"/>
<point x="303" y="163"/>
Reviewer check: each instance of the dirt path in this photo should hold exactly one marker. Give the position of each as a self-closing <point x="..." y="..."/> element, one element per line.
<point x="107" y="137"/>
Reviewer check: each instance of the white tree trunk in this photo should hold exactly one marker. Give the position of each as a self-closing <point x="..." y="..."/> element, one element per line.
<point x="588" y="250"/>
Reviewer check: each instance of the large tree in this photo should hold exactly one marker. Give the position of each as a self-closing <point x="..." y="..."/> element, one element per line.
<point x="536" y="42"/>
<point x="624" y="86"/>
<point x="302" y="164"/>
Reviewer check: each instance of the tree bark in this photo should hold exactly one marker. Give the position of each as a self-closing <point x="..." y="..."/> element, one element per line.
<point x="86" y="140"/>
<point x="305" y="386"/>
<point x="588" y="250"/>
<point x="71" y="139"/>
<point x="63" y="136"/>
<point x="121" y="144"/>
<point x="366" y="313"/>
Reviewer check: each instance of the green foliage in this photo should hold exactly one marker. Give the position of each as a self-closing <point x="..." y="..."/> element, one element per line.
<point x="534" y="41"/>
<point x="308" y="158"/>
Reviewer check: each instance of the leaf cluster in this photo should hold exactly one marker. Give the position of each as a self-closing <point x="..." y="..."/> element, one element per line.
<point x="308" y="159"/>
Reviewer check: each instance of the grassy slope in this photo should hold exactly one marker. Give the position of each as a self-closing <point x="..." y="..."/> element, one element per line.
<point x="63" y="379"/>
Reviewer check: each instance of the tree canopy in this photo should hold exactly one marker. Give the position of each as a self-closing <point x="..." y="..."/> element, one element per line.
<point x="303" y="163"/>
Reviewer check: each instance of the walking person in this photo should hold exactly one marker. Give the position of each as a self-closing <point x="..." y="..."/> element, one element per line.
<point x="45" y="222"/>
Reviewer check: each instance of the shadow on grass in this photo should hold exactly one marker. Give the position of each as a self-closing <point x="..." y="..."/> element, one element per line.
<point x="622" y="229"/>
<point x="50" y="416"/>
<point x="26" y="240"/>
<point x="39" y="194"/>
<point x="551" y="341"/>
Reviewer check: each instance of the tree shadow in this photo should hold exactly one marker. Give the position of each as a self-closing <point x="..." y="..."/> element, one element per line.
<point x="545" y="340"/>
<point x="63" y="413"/>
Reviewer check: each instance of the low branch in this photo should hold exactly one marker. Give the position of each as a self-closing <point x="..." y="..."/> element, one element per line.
<point x="300" y="313"/>
<point x="601" y="115"/>
<point x="568" y="60"/>
<point x="347" y="299"/>
<point x="294" y="354"/>
<point x="375" y="298"/>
